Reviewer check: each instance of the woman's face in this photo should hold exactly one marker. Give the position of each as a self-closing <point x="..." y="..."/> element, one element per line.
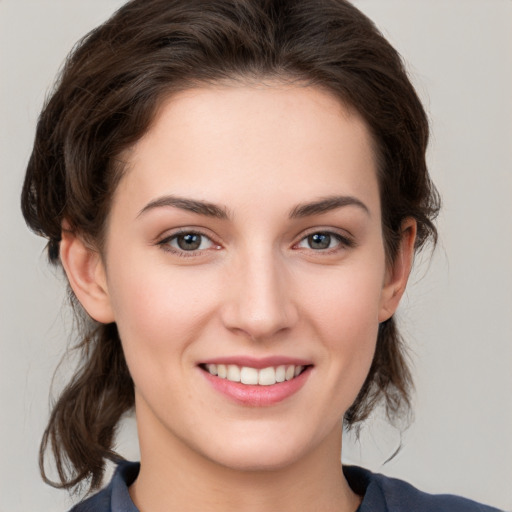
<point x="245" y="242"/>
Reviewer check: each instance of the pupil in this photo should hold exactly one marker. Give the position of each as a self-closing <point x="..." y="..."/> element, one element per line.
<point x="189" y="242"/>
<point x="319" y="241"/>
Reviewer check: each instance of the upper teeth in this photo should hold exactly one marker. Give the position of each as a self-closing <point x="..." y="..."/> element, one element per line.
<point x="248" y="375"/>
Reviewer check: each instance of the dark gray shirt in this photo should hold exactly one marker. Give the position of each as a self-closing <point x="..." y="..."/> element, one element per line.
<point x="380" y="494"/>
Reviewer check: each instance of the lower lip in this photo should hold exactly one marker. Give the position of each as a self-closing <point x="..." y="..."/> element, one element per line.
<point x="258" y="396"/>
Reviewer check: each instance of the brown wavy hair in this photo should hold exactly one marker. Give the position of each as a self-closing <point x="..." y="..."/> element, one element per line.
<point x="104" y="101"/>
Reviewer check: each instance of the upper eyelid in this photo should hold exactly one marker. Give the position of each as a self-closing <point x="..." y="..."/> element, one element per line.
<point x="342" y="233"/>
<point x="342" y="240"/>
<point x="187" y="232"/>
<point x="169" y="234"/>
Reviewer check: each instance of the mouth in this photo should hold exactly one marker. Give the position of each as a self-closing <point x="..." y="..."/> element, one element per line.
<point x="250" y="376"/>
<point x="257" y="382"/>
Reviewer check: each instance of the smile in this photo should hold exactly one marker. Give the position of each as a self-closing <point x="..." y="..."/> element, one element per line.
<point x="253" y="376"/>
<point x="257" y="382"/>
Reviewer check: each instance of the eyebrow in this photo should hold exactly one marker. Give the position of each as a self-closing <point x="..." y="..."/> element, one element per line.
<point x="325" y="205"/>
<point x="208" y="209"/>
<point x="191" y="205"/>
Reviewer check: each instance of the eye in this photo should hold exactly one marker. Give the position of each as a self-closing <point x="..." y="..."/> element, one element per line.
<point x="324" y="240"/>
<point x="187" y="241"/>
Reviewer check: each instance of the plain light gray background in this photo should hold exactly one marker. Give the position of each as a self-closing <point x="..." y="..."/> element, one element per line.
<point x="457" y="316"/>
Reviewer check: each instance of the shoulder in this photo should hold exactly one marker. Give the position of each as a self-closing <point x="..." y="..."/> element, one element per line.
<point x="402" y="496"/>
<point x="115" y="497"/>
<point x="100" y="502"/>
<point x="385" y="494"/>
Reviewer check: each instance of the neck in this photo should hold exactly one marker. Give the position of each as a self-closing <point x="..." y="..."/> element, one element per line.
<point x="175" y="477"/>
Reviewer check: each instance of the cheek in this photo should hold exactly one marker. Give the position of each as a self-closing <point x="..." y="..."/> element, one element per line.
<point x="349" y="304"/>
<point x="345" y="317"/>
<point x="352" y="342"/>
<point x="159" y="313"/>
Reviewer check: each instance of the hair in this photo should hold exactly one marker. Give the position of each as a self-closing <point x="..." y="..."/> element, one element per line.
<point x="104" y="101"/>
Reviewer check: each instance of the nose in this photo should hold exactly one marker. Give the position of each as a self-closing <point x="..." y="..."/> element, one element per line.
<point x="260" y="303"/>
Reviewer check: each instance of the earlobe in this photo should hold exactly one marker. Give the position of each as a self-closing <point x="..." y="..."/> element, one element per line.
<point x="86" y="274"/>
<point x="397" y="274"/>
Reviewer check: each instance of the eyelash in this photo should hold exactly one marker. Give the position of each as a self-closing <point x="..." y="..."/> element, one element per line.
<point x="165" y="243"/>
<point x="344" y="242"/>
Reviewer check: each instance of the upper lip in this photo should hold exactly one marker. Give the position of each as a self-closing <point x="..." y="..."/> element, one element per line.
<point x="259" y="363"/>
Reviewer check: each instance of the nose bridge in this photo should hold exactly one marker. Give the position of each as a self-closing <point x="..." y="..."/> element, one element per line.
<point x="260" y="304"/>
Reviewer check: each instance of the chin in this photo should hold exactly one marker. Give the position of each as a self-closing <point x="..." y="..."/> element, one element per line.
<point x="257" y="459"/>
<point x="261" y="451"/>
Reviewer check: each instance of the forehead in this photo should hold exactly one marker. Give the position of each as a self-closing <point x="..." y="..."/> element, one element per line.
<point x="236" y="142"/>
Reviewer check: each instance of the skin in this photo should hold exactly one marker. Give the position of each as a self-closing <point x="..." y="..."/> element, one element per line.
<point x="255" y="287"/>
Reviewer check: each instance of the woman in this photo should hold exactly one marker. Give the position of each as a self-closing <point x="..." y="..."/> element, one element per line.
<point x="243" y="333"/>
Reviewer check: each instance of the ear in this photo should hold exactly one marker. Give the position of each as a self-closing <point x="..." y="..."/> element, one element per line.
<point x="398" y="272"/>
<point x="86" y="274"/>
